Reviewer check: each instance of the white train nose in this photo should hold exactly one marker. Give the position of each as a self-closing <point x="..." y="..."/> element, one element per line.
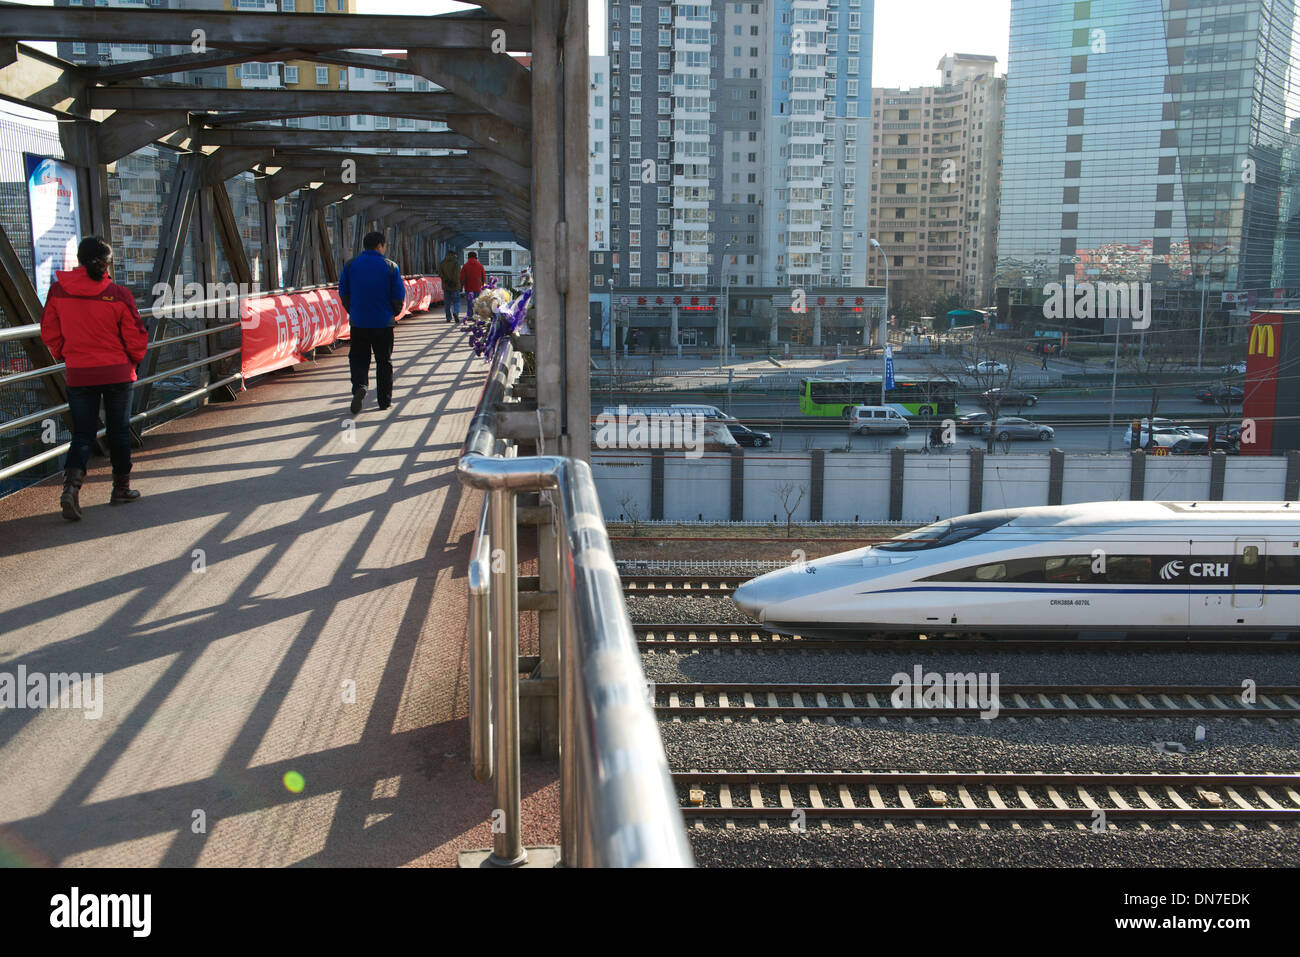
<point x="749" y="599"/>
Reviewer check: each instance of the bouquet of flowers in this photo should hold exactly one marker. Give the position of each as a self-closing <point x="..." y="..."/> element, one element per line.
<point x="496" y="317"/>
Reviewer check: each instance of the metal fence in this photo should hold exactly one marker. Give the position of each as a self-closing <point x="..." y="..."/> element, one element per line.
<point x="618" y="804"/>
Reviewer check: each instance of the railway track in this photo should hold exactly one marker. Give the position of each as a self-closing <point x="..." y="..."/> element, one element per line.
<point x="834" y="702"/>
<point x="693" y="637"/>
<point x="1095" y="801"/>
<point x="693" y="585"/>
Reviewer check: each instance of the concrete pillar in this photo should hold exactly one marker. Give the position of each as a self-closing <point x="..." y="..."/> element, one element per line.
<point x="1137" y="481"/>
<point x="817" y="486"/>
<point x="975" y="502"/>
<point x="1292" y="491"/>
<point x="1056" y="477"/>
<point x="1218" y="470"/>
<point x="817" y="326"/>
<point x="737" y="484"/>
<point x="675" y="336"/>
<point x="896" y="463"/>
<point x="657" y="485"/>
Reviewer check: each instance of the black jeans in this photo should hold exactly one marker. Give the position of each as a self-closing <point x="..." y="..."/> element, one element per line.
<point x="83" y="402"/>
<point x="379" y="341"/>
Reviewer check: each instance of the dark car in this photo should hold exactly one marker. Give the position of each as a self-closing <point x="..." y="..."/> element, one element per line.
<point x="747" y="436"/>
<point x="975" y="422"/>
<point x="1008" y="399"/>
<point x="1200" y="446"/>
<point x="1222" y="394"/>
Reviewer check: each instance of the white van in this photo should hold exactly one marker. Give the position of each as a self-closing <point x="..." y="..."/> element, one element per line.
<point x="877" y="418"/>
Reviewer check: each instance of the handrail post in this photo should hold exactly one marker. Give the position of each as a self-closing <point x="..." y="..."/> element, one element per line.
<point x="480" y="652"/>
<point x="507" y="838"/>
<point x="570" y="749"/>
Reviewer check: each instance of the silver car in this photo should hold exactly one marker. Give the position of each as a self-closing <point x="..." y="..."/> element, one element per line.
<point x="1014" y="427"/>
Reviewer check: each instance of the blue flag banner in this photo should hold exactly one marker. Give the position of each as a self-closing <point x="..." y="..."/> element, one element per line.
<point x="889" y="367"/>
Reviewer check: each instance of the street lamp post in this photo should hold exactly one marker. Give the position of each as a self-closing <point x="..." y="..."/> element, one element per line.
<point x="1205" y="282"/>
<point x="726" y="330"/>
<point x="884" y="322"/>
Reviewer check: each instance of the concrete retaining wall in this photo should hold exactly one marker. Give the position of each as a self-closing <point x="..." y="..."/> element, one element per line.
<point x="868" y="486"/>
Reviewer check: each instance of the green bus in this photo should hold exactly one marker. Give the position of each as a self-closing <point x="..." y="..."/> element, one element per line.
<point x="911" y="396"/>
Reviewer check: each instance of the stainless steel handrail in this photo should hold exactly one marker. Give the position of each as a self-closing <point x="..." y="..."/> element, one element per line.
<point x="33" y="331"/>
<point x="618" y="804"/>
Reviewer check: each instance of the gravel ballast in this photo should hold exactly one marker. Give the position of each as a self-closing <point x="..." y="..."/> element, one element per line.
<point x="873" y="846"/>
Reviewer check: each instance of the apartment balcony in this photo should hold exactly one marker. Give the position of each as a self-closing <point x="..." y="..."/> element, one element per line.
<point x="900" y="127"/>
<point x="679" y="225"/>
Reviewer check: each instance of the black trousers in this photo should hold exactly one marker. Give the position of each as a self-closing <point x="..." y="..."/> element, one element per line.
<point x="380" y="342"/>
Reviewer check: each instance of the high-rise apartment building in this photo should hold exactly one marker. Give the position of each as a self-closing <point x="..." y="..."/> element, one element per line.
<point x="736" y="135"/>
<point x="598" y="200"/>
<point x="1145" y="141"/>
<point x="935" y="175"/>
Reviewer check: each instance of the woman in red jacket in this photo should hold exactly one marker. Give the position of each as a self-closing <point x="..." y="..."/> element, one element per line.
<point x="91" y="325"/>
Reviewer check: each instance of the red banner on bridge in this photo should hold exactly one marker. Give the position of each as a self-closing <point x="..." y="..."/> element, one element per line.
<point x="278" y="331"/>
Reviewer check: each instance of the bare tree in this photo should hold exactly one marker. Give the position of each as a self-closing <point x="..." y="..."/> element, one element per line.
<point x="991" y="368"/>
<point x="785" y="493"/>
<point x="632" y="508"/>
<point x="1151" y="369"/>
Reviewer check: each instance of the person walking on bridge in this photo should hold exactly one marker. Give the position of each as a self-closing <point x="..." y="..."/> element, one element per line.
<point x="92" y="326"/>
<point x="449" y="270"/>
<point x="472" y="277"/>
<point x="373" y="293"/>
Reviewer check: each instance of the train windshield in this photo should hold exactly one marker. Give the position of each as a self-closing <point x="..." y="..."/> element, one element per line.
<point x="942" y="533"/>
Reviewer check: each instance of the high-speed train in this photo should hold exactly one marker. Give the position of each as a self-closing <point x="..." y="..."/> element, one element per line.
<point x="1100" y="567"/>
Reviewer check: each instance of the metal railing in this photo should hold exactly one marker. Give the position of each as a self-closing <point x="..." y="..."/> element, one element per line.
<point x="221" y="306"/>
<point x="618" y="806"/>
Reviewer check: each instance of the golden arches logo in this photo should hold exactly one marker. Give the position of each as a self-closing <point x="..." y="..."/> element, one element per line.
<point x="1262" y="341"/>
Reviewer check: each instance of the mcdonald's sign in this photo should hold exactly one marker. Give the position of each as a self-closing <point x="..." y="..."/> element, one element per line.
<point x="1271" y="400"/>
<point x="1263" y="341"/>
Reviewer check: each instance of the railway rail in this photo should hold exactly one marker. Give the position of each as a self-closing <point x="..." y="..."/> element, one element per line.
<point x="670" y="637"/>
<point x="707" y="585"/>
<point x="746" y="701"/>
<point x="1096" y="801"/>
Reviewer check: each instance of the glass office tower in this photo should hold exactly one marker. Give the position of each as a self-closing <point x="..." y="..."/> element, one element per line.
<point x="1147" y="141"/>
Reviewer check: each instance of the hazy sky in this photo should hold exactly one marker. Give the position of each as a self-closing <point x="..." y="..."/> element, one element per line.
<point x="910" y="35"/>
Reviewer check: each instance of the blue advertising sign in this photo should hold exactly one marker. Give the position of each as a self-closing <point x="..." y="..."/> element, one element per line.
<point x="889" y="367"/>
<point x="55" y="218"/>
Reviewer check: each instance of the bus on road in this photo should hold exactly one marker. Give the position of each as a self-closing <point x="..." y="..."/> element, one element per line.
<point x="911" y="396"/>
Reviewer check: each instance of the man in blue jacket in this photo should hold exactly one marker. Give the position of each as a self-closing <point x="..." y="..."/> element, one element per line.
<point x="373" y="293"/>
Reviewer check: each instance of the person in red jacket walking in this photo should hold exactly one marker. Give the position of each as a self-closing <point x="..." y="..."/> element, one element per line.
<point x="472" y="277"/>
<point x="91" y="324"/>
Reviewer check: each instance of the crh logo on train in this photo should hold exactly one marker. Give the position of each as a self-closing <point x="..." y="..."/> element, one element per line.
<point x="953" y="691"/>
<point x="1174" y="569"/>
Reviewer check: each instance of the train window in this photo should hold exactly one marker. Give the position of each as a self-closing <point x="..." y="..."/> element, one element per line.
<point x="1250" y="555"/>
<point x="1128" y="569"/>
<point x="1072" y="569"/>
<point x="1013" y="570"/>
<point x="940" y="534"/>
<point x="1284" y="569"/>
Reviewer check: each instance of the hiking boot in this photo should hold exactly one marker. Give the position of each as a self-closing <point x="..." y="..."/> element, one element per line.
<point x="122" y="491"/>
<point x="358" y="394"/>
<point x="69" y="501"/>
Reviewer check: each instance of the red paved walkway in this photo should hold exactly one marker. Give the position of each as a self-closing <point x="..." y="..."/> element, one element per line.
<point x="328" y="561"/>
